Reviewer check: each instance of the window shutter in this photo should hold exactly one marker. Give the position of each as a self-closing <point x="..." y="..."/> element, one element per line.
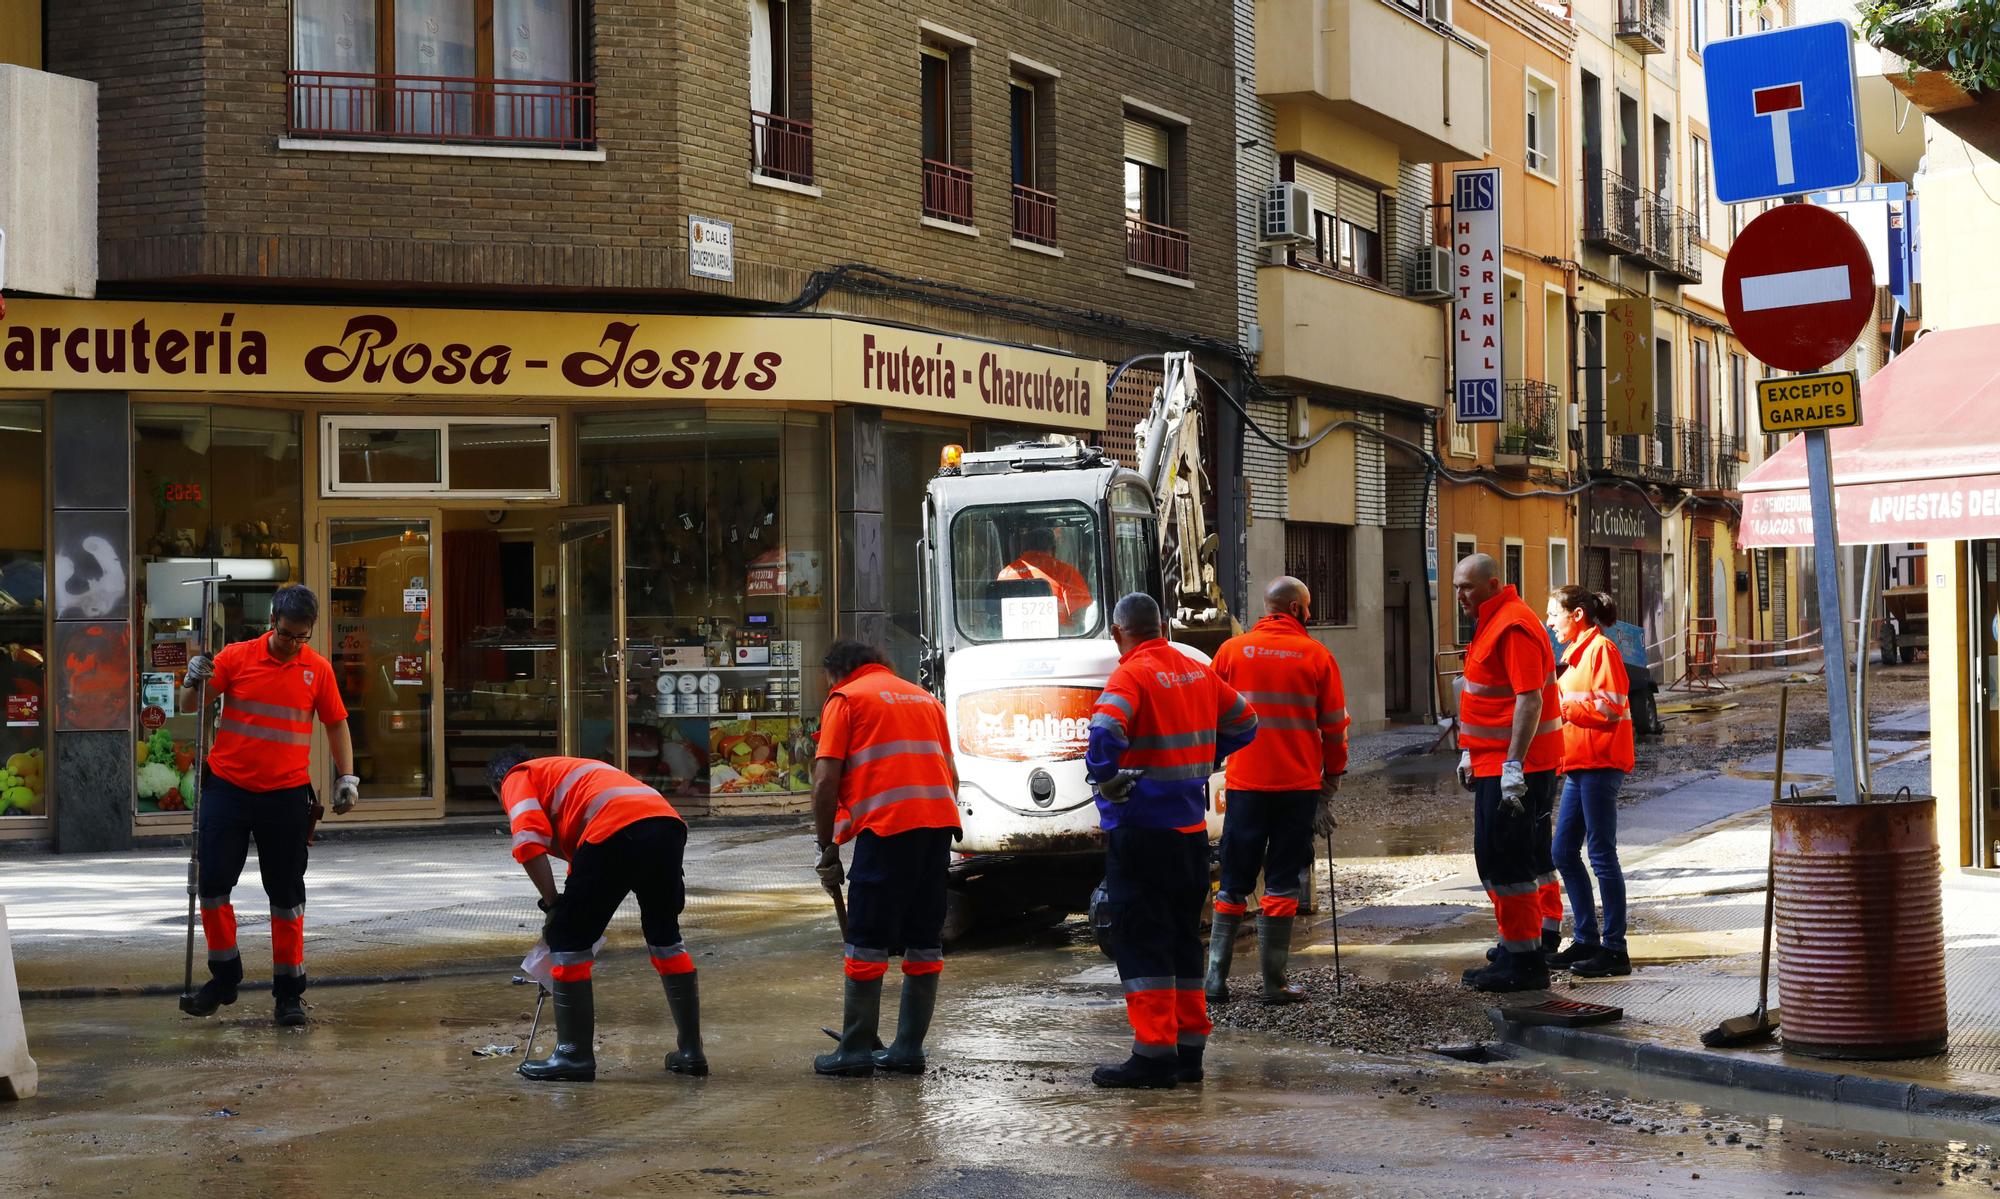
<point x="1145" y="143"/>
<point x="1360" y="206"/>
<point x="1322" y="187"/>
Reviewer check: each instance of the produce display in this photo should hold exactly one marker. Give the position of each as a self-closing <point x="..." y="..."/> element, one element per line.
<point x="759" y="756"/>
<point x="21" y="784"/>
<point x="167" y="779"/>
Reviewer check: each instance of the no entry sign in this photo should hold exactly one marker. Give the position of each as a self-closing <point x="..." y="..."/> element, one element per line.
<point x="1798" y="286"/>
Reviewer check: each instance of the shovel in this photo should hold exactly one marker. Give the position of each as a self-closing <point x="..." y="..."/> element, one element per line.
<point x="1333" y="910"/>
<point x="1760" y="1024"/>
<point x="207" y="583"/>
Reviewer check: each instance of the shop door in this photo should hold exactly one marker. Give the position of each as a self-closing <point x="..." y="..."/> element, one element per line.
<point x="592" y="631"/>
<point x="379" y="638"/>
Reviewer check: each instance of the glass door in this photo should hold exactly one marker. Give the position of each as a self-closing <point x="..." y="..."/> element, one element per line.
<point x="592" y="638"/>
<point x="379" y="639"/>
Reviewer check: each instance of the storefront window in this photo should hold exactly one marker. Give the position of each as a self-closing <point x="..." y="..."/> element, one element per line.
<point x="725" y="595"/>
<point x="1026" y="572"/>
<point x="211" y="483"/>
<point x="23" y="613"/>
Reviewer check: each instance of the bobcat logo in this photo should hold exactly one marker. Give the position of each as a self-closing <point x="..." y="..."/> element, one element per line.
<point x="990" y="724"/>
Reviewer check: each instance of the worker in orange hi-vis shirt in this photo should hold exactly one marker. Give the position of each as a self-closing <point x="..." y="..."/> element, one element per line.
<point x="1280" y="786"/>
<point x="1037" y="560"/>
<point x="620" y="837"/>
<point x="1510" y="735"/>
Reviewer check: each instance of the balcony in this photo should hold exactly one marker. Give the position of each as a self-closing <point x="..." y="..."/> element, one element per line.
<point x="1161" y="249"/>
<point x="48" y="142"/>
<point x="1680" y="246"/>
<point x="1615" y="212"/>
<point x="1379" y="68"/>
<point x="1712" y="458"/>
<point x="1327" y="331"/>
<point x="1530" y="426"/>
<point x="947" y="192"/>
<point x="1656" y="234"/>
<point x="1642" y="24"/>
<point x="1034" y="216"/>
<point x="349" y="105"/>
<point x="781" y="148"/>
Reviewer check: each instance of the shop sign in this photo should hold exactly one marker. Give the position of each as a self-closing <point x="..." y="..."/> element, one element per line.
<point x="408" y="671"/>
<point x="1965" y="509"/>
<point x="1628" y="368"/>
<point x="711" y="248"/>
<point x="152" y="718"/>
<point x="1621" y="518"/>
<point x="24" y="711"/>
<point x="416" y="600"/>
<point x="1475" y="290"/>
<point x="82" y="345"/>
<point x="170" y="655"/>
<point x="765" y="574"/>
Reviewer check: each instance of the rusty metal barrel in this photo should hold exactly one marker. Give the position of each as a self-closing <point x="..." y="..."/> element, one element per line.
<point x="1860" y="926"/>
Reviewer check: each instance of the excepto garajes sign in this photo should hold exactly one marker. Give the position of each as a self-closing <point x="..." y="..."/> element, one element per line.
<point x="1828" y="401"/>
<point x="1475" y="295"/>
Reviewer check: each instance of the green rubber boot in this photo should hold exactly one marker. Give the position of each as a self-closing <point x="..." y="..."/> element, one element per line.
<point x="913" y="1022"/>
<point x="574" y="1058"/>
<point x="684" y="1001"/>
<point x="855" y="1058"/>
<point x="1274" y="955"/>
<point x="1221" y="950"/>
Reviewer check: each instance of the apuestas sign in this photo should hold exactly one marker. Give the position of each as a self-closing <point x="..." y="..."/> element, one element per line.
<point x="1828" y="401"/>
<point x="1475" y="295"/>
<point x="1798" y="286"/>
<point x="83" y="345"/>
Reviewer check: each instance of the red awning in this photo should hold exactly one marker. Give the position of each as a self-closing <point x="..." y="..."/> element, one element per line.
<point x="1923" y="466"/>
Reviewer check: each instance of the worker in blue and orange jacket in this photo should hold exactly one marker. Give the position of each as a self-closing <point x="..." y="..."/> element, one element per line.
<point x="1597" y="755"/>
<point x="1510" y="738"/>
<point x="1281" y="787"/>
<point x="1161" y="727"/>
<point x="619" y="836"/>
<point x="883" y="779"/>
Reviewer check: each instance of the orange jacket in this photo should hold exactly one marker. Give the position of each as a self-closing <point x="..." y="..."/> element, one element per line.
<point x="1509" y="655"/>
<point x="555" y="805"/>
<point x="1293" y="683"/>
<point x="1072" y="590"/>
<point x="263" y="738"/>
<point x="890" y="734"/>
<point x="1596" y="706"/>
<point x="1166" y="714"/>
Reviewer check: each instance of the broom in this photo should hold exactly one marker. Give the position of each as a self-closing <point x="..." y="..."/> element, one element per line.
<point x="1760" y="1024"/>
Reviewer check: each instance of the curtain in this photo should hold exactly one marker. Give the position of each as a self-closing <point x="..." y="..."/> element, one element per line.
<point x="435" y="37"/>
<point x="333" y="35"/>
<point x="472" y="602"/>
<point x="534" y="40"/>
<point x="762" y="55"/>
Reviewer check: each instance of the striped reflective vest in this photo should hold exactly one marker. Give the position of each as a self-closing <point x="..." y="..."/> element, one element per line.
<point x="897" y="774"/>
<point x="1169" y="715"/>
<point x="263" y="735"/>
<point x="555" y="805"/>
<point x="1596" y="706"/>
<point x="1486" y="693"/>
<point x="1294" y="686"/>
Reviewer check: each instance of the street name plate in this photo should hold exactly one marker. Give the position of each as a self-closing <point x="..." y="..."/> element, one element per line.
<point x="1824" y="401"/>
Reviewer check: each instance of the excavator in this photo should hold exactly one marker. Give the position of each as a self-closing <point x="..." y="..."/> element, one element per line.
<point x="1025" y="550"/>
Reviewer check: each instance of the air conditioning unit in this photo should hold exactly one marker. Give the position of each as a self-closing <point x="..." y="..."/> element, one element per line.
<point x="1287" y="215"/>
<point x="1430" y="273"/>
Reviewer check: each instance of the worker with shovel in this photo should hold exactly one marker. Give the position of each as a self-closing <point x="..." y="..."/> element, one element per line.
<point x="1280" y="786"/>
<point x="883" y="779"/>
<point x="620" y="838"/>
<point x="257" y="784"/>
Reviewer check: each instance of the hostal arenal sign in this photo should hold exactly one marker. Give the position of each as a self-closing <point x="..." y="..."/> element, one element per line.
<point x="1475" y="294"/>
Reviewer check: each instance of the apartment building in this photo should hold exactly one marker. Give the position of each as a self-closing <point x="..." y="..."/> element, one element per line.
<point x="569" y="349"/>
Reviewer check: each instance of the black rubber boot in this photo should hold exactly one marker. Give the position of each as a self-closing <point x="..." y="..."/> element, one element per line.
<point x="1577" y="952"/>
<point x="213" y="994"/>
<point x="1190" y="1064"/>
<point x="856" y="1056"/>
<point x="1144" y="1073"/>
<point x="1552" y="939"/>
<point x="1221" y="950"/>
<point x="684" y="1001"/>
<point x="1605" y="963"/>
<point x="1521" y="971"/>
<point x="289" y="1010"/>
<point x="575" y="1056"/>
<point x="913" y="1022"/>
<point x="1274" y="956"/>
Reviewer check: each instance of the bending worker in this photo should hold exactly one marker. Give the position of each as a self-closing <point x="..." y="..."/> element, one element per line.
<point x="1280" y="787"/>
<point x="1510" y="738"/>
<point x="883" y="779"/>
<point x="1037" y="560"/>
<point x="1162" y="724"/>
<point x="257" y="784"/>
<point x="619" y="836"/>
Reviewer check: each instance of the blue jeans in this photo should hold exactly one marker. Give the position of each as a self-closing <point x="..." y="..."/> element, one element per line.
<point x="1588" y="818"/>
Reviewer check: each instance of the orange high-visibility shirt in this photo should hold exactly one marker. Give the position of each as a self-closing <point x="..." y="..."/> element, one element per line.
<point x="1509" y="655"/>
<point x="1596" y="705"/>
<point x="1293" y="684"/>
<point x="555" y="805"/>
<point x="1071" y="589"/>
<point x="891" y="736"/>
<point x="263" y="736"/>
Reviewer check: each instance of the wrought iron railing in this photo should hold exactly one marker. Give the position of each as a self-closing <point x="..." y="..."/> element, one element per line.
<point x="1530" y="420"/>
<point x="1642" y="24"/>
<point x="947" y="191"/>
<point x="1614" y="210"/>
<point x="781" y="148"/>
<point x="1034" y="215"/>
<point x="442" y="108"/>
<point x="1152" y="247"/>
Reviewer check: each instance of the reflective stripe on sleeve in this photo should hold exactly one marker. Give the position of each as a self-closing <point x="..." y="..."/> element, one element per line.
<point x="528" y="804"/>
<point x="530" y="837"/>
<point x="1116" y="701"/>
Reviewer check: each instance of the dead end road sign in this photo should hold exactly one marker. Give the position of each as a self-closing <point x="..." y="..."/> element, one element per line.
<point x="1783" y="115"/>
<point x="1798" y="286"/>
<point x="1796" y="402"/>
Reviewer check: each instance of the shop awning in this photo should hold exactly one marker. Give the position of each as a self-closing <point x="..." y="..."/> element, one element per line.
<point x="1923" y="466"/>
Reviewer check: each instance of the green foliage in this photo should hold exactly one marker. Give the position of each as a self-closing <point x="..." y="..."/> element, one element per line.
<point x="1959" y="37"/>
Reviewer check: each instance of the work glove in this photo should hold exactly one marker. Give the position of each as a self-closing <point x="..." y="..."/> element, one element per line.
<point x="346" y="789"/>
<point x="1465" y="769"/>
<point x="828" y="866"/>
<point x="1513" y="787"/>
<point x="1118" y="788"/>
<point x="200" y="668"/>
<point x="1323" y="820"/>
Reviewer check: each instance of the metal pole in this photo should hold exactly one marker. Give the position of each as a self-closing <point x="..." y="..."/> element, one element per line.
<point x="1832" y="614"/>
<point x="1863" y="627"/>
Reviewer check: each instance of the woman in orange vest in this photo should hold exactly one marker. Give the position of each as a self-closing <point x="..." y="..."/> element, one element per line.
<point x="1597" y="755"/>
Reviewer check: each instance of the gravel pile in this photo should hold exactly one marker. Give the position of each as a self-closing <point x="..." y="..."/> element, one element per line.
<point x="1369" y="1016"/>
<point x="1357" y="884"/>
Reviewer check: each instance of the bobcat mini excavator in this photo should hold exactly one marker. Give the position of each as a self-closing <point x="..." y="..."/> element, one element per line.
<point x="1019" y="654"/>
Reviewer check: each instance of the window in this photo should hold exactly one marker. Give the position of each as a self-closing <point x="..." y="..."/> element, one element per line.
<point x="1732" y="17"/>
<point x="1558" y="563"/>
<point x="1464" y="439"/>
<point x="1347" y="222"/>
<point x="1541" y="125"/>
<point x="1321" y="557"/>
<point x="1739" y="396"/>
<point x="1698" y="195"/>
<point x="947" y="129"/>
<point x="1513" y="565"/>
<point x="1703" y="393"/>
<point x="1698" y="25"/>
<point x="1135" y="562"/>
<point x="24" y="608"/>
<point x="1152" y="240"/>
<point x="1026" y="572"/>
<point x="441" y="71"/>
<point x="1034" y="185"/>
<point x="1462" y="547"/>
<point x="1663" y="399"/>
<point x="1555" y="346"/>
<point x="781" y="141"/>
<point x="500" y="456"/>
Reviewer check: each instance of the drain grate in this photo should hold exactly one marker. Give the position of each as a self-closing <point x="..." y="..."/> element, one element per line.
<point x="1562" y="1013"/>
